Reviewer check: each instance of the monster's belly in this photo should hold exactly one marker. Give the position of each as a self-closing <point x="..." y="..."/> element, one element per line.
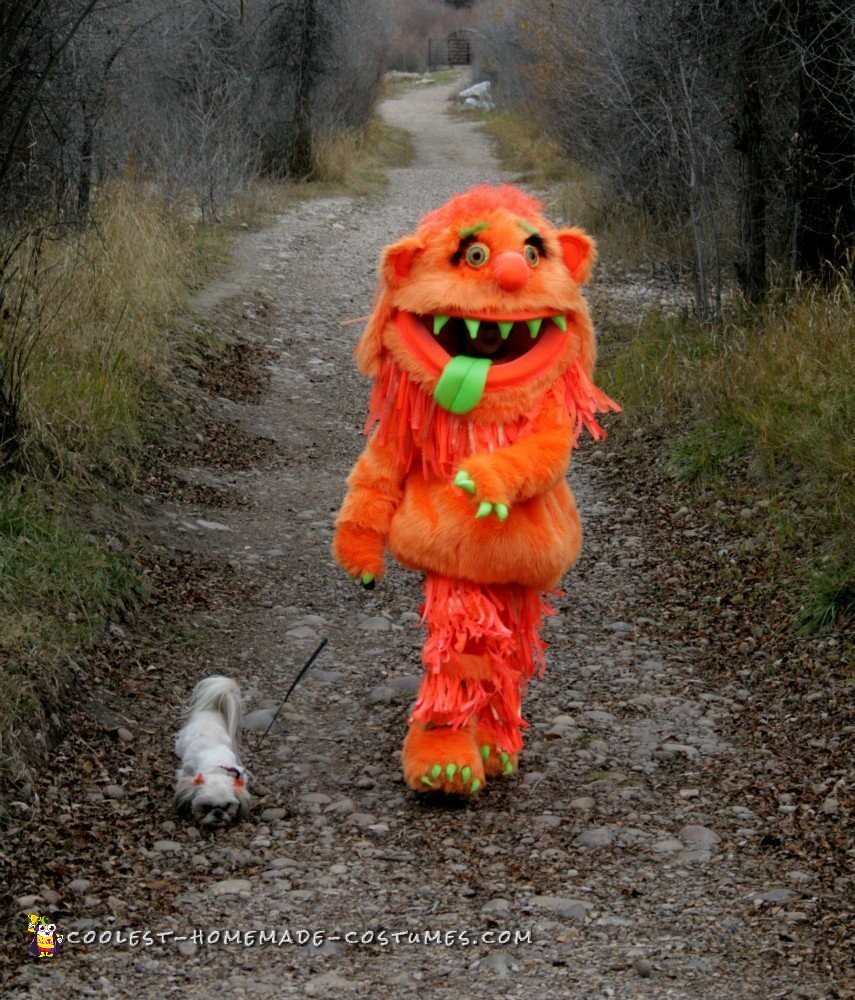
<point x="435" y="530"/>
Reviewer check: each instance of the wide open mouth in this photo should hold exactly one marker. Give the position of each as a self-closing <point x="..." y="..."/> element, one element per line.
<point x="517" y="347"/>
<point x="500" y="340"/>
<point x="474" y="353"/>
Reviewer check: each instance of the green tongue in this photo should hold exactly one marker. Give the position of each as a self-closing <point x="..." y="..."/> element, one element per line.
<point x="461" y="384"/>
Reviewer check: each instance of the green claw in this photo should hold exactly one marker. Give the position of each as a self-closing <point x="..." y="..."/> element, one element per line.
<point x="505" y="328"/>
<point x="560" y="322"/>
<point x="367" y="578"/>
<point x="476" y="784"/>
<point x="436" y="771"/>
<point x="450" y="771"/>
<point x="503" y="757"/>
<point x="508" y="770"/>
<point x="426" y="781"/>
<point x="485" y="751"/>
<point x="438" y="323"/>
<point x="472" y="325"/>
<point x="534" y="327"/>
<point x="465" y="775"/>
<point x="484" y="508"/>
<point x="501" y="511"/>
<point x="464" y="481"/>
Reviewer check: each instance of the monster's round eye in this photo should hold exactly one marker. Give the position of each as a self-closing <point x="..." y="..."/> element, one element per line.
<point x="477" y="254"/>
<point x="532" y="257"/>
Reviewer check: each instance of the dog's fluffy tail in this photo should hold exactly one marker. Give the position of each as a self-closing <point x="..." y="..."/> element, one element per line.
<point x="218" y="694"/>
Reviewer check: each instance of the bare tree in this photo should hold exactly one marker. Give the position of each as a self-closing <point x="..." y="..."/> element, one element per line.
<point x="194" y="97"/>
<point x="300" y="162"/>
<point x="715" y="116"/>
<point x="86" y="84"/>
<point x="33" y="40"/>
<point x="822" y="33"/>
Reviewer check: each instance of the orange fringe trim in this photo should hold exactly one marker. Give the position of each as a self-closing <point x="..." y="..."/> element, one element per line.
<point x="442" y="439"/>
<point x="500" y="625"/>
<point x="583" y="399"/>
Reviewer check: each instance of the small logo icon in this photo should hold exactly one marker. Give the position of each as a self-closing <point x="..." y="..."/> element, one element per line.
<point x="45" y="942"/>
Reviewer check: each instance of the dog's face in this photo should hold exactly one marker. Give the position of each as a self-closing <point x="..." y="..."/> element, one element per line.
<point x="214" y="799"/>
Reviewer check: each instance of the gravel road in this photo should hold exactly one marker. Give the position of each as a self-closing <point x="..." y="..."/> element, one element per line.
<point x="616" y="864"/>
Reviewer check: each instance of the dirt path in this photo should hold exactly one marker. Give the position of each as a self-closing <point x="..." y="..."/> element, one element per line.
<point x="628" y="867"/>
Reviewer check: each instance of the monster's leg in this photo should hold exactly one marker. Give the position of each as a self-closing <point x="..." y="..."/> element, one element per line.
<point x="463" y="672"/>
<point x="499" y="723"/>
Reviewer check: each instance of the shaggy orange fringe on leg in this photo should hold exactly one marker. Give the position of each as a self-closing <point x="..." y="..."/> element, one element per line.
<point x="482" y="648"/>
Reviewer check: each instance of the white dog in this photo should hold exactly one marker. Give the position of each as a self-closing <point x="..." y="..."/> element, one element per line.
<point x="211" y="782"/>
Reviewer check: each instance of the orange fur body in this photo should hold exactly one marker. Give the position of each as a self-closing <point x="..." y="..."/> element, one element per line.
<point x="463" y="475"/>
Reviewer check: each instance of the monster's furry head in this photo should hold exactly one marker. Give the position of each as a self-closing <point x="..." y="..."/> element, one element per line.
<point x="481" y="304"/>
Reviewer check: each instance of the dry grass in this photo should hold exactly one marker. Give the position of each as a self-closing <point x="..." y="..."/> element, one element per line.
<point x="769" y="398"/>
<point x="92" y="317"/>
<point x="97" y="309"/>
<point x="98" y="305"/>
<point x="764" y="399"/>
<point x="396" y="84"/>
<point x="355" y="160"/>
<point x="525" y="150"/>
<point x="58" y="586"/>
<point x="336" y="153"/>
<point x="259" y="201"/>
<point x="101" y="311"/>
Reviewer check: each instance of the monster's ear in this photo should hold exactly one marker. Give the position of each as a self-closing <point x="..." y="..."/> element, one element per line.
<point x="579" y="253"/>
<point x="370" y="346"/>
<point x="398" y="259"/>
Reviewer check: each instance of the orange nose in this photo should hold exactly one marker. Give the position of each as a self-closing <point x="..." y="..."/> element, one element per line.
<point x="511" y="270"/>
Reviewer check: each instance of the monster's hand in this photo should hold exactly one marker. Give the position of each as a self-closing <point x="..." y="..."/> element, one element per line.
<point x="491" y="497"/>
<point x="516" y="472"/>
<point x="360" y="552"/>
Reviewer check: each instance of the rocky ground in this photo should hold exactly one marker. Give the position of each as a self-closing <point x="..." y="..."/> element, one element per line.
<point x="680" y="824"/>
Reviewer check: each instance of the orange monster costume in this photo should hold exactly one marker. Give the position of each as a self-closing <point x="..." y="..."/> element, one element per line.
<point x="482" y="351"/>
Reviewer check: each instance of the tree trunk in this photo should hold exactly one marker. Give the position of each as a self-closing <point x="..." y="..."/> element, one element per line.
<point x="825" y="199"/>
<point x="84" y="179"/>
<point x="750" y="144"/>
<point x="301" y="163"/>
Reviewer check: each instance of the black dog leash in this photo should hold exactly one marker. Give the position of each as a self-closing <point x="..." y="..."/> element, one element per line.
<point x="294" y="683"/>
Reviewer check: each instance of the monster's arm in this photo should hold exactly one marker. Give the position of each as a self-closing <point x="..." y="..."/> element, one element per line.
<point x="528" y="468"/>
<point x="373" y="494"/>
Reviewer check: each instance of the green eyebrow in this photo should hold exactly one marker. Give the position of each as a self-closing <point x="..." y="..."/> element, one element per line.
<point x="472" y="230"/>
<point x="529" y="229"/>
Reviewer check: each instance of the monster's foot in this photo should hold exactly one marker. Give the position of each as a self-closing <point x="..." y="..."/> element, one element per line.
<point x="498" y="763"/>
<point x="442" y="759"/>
